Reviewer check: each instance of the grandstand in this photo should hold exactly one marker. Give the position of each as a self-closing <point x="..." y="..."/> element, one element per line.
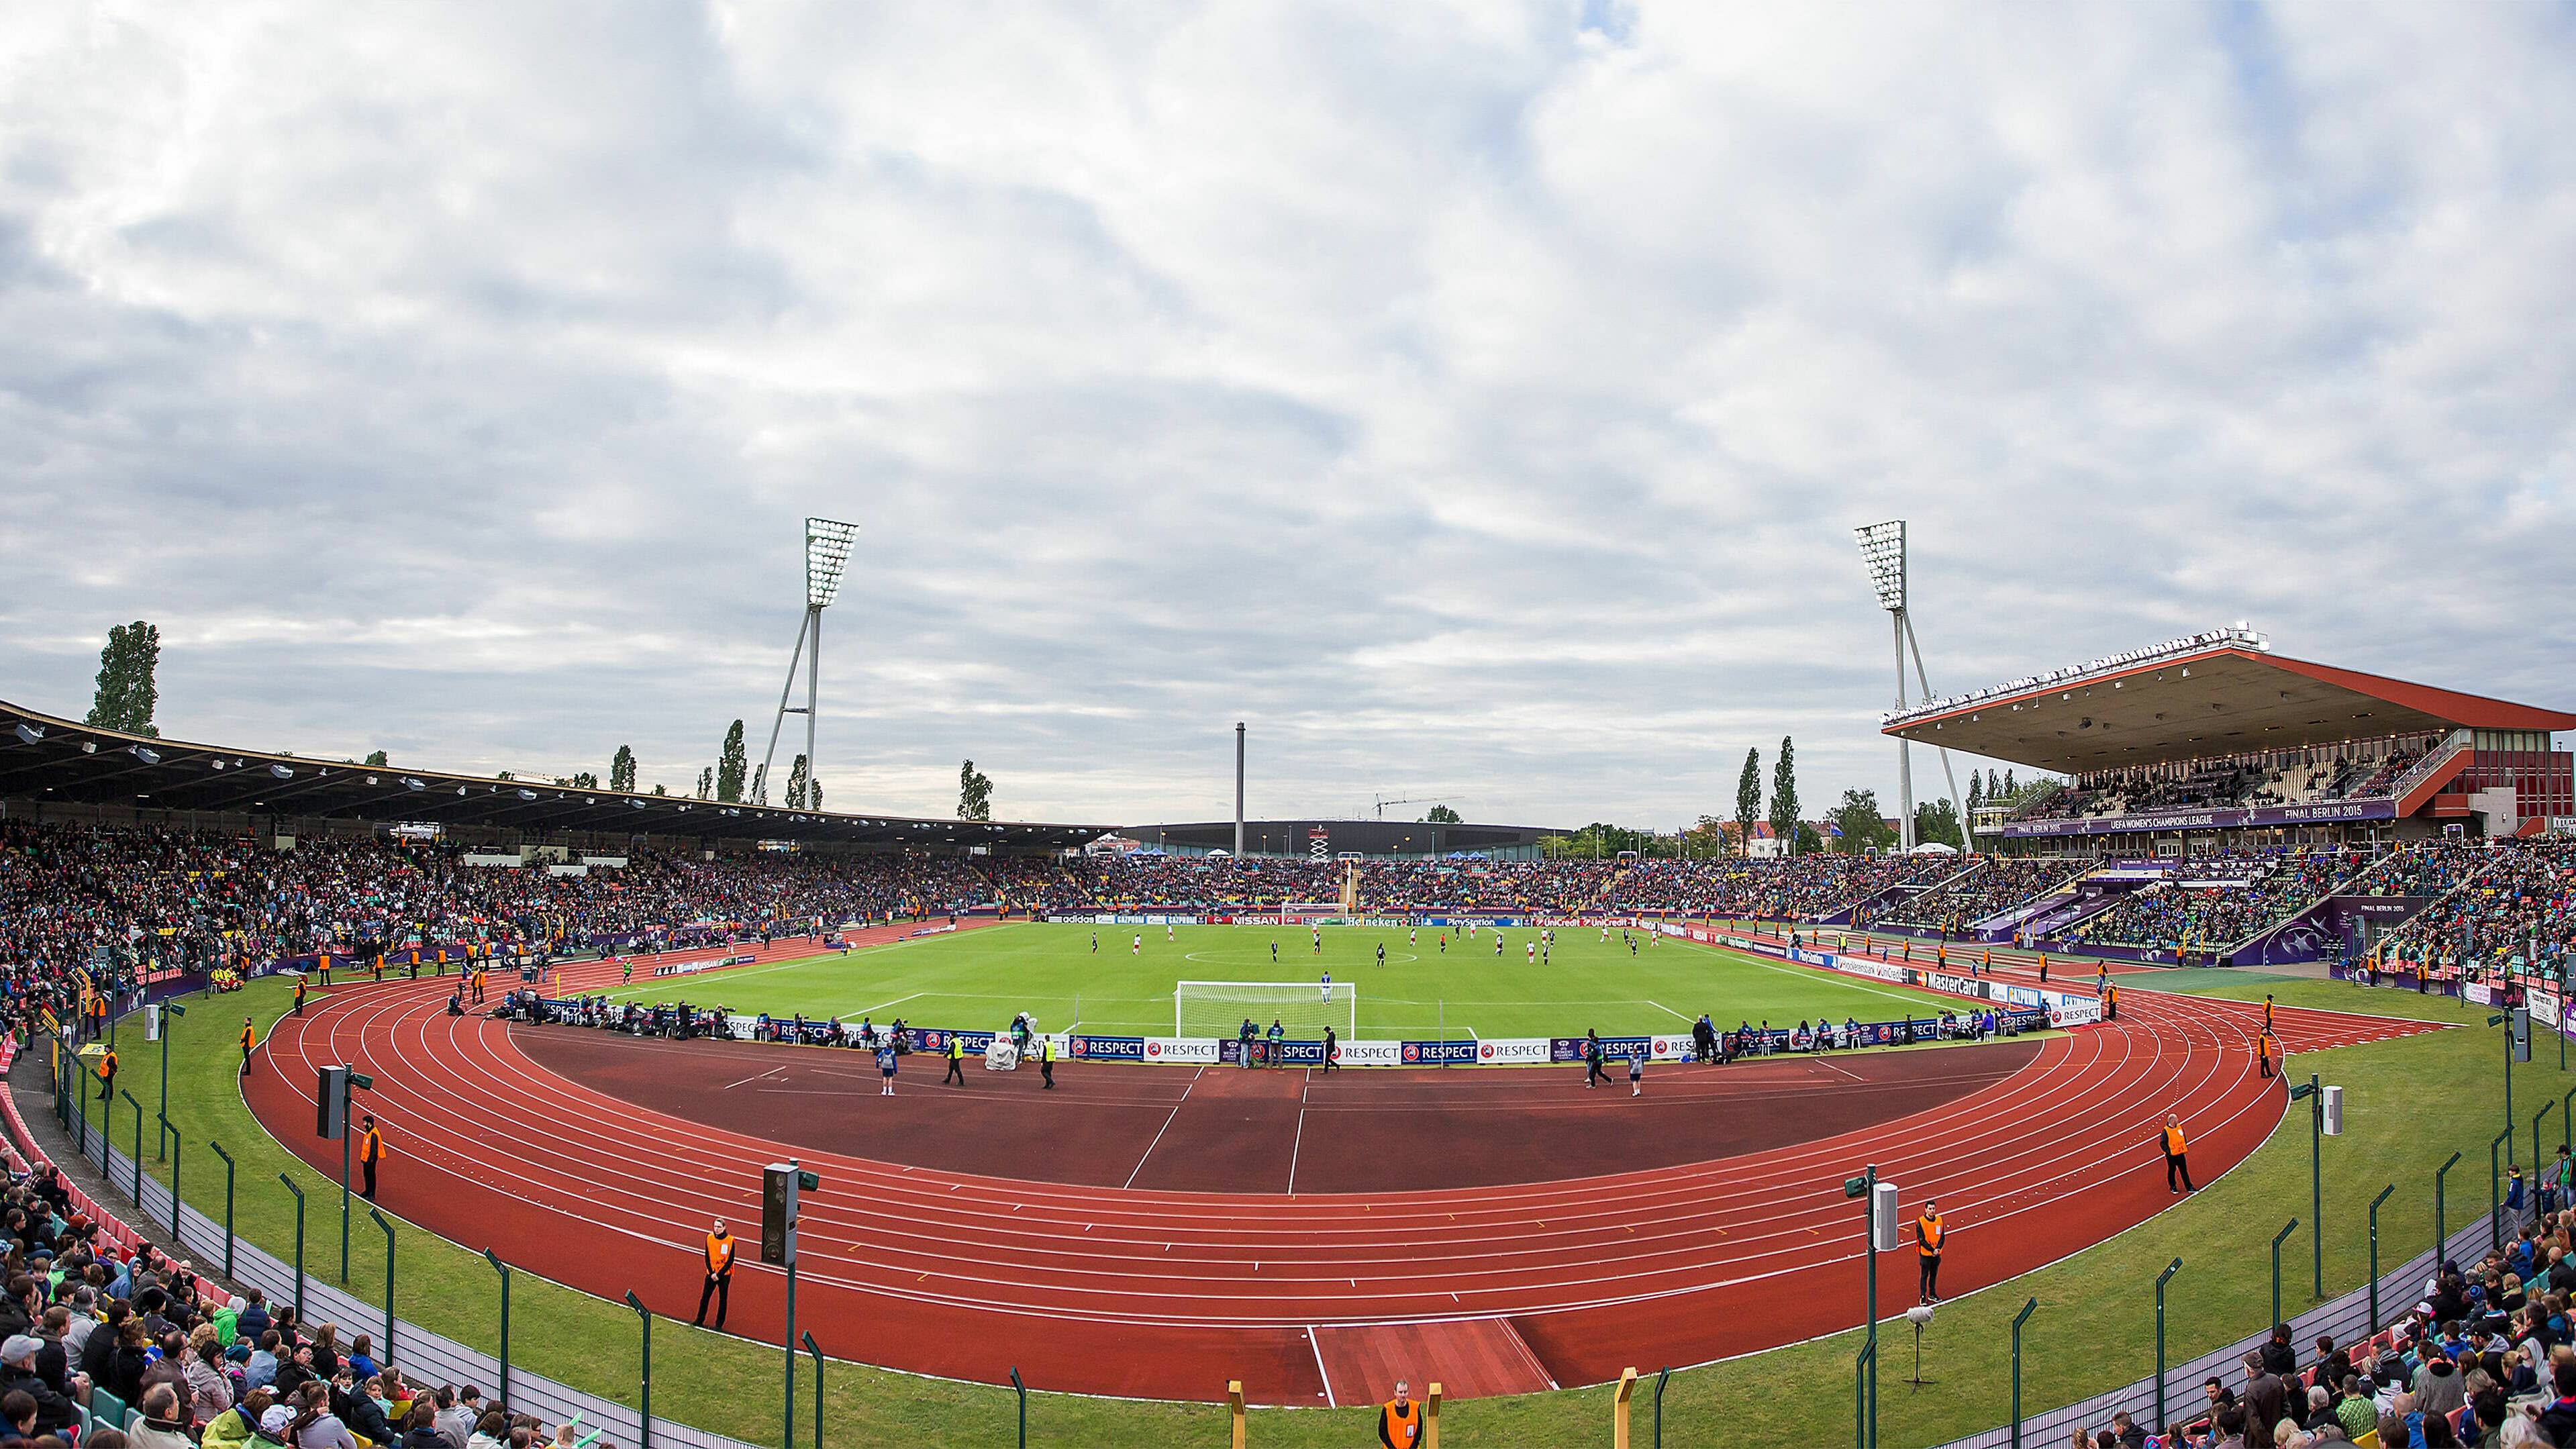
<point x="2212" y="742"/>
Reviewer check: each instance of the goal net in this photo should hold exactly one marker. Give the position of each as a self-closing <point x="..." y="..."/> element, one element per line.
<point x="1303" y="1008"/>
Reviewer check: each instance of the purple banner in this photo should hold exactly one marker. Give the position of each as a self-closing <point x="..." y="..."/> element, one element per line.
<point x="2227" y="819"/>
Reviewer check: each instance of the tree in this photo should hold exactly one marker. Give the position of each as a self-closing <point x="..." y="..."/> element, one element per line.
<point x="1705" y="837"/>
<point x="796" y="784"/>
<point x="1936" y="821"/>
<point x="1976" y="792"/>
<point x="1860" y="822"/>
<point x="583" y="781"/>
<point x="974" y="793"/>
<point x="813" y="794"/>
<point x="621" y="769"/>
<point x="731" y="766"/>
<point x="661" y="789"/>
<point x="1784" y="796"/>
<point x="1441" y="815"/>
<point x="506" y="775"/>
<point x="707" y="783"/>
<point x="378" y="758"/>
<point x="2010" y="789"/>
<point x="127" y="693"/>
<point x="1748" y="800"/>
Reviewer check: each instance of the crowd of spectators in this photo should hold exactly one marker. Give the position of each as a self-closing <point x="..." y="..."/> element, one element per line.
<point x="2511" y="908"/>
<point x="2485" y="1358"/>
<point x="1994" y="885"/>
<point x="122" y="1347"/>
<point x="2362" y="769"/>
<point x="2221" y="900"/>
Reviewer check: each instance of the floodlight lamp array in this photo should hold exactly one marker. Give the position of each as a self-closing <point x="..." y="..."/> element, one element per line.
<point x="1882" y="548"/>
<point x="827" y="553"/>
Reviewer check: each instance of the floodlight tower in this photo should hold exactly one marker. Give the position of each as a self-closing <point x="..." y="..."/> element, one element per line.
<point x="1882" y="548"/>
<point x="827" y="553"/>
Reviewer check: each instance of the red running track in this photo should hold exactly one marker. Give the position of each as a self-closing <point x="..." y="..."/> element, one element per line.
<point x="1308" y="1298"/>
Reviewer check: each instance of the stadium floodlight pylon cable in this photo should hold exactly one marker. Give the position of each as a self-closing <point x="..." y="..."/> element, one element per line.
<point x="827" y="556"/>
<point x="1882" y="549"/>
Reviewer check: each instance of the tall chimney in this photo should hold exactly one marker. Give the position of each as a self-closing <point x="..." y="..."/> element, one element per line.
<point x="1238" y="787"/>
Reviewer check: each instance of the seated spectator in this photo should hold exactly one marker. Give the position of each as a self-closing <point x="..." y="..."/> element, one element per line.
<point x="164" y="1424"/>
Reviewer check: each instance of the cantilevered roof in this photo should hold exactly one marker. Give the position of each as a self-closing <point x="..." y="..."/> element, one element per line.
<point x="49" y="759"/>
<point x="2188" y="704"/>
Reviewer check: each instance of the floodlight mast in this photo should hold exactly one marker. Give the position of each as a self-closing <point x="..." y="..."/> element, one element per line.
<point x="1882" y="549"/>
<point x="827" y="556"/>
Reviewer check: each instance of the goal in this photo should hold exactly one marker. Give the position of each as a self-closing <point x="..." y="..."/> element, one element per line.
<point x="1217" y="1008"/>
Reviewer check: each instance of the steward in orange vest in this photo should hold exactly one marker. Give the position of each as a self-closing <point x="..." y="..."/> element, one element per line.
<point x="2174" y="1163"/>
<point x="719" y="1285"/>
<point x="1399" y="1420"/>
<point x="371" y="1151"/>
<point x="1929" y="1233"/>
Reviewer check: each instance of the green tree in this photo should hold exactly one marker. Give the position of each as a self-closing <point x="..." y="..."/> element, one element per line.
<point x="707" y="783"/>
<point x="974" y="793"/>
<point x="1748" y="800"/>
<point x="1705" y="837"/>
<point x="1976" y="792"/>
<point x="732" y="766"/>
<point x="2011" y="790"/>
<point x="1784" y="796"/>
<point x="813" y="794"/>
<point x="796" y="784"/>
<point x="127" y="692"/>
<point x="621" y="769"/>
<point x="1935" y="821"/>
<point x="661" y="789"/>
<point x="1860" y="822"/>
<point x="583" y="781"/>
<point x="1441" y="815"/>
<point x="378" y="758"/>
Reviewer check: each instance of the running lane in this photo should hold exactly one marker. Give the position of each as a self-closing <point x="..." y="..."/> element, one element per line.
<point x="1168" y="1293"/>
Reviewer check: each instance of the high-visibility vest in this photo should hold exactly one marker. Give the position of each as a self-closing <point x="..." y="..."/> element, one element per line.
<point x="1929" y="1231"/>
<point x="371" y="1147"/>
<point x="107" y="1066"/>
<point x="1403" y="1422"/>
<point x="719" y="1255"/>
<point x="249" y="1038"/>
<point x="2173" y="1141"/>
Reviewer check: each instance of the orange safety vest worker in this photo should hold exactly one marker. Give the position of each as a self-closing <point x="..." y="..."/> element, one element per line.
<point x="718" y="1288"/>
<point x="1399" y="1424"/>
<point x="249" y="1039"/>
<point x="1929" y="1230"/>
<point x="2175" y="1166"/>
<point x="719" y="1254"/>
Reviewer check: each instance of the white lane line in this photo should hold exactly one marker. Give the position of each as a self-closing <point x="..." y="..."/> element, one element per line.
<point x="880" y="1006"/>
<point x="754" y="1077"/>
<point x="1668" y="1011"/>
<point x="1293" y="1149"/>
<point x="1166" y="1127"/>
<point x="1315" y="1344"/>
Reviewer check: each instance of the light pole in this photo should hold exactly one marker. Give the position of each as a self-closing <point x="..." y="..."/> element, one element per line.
<point x="169" y="1009"/>
<point x="1877" y="1234"/>
<point x="2325" y="1119"/>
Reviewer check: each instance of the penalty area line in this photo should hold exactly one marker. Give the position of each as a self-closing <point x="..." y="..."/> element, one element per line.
<point x="880" y="1006"/>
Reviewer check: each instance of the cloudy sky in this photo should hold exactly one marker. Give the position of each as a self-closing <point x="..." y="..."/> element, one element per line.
<point x="1477" y="399"/>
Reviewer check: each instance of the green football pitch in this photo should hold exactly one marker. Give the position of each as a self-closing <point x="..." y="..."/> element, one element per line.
<point x="978" y="979"/>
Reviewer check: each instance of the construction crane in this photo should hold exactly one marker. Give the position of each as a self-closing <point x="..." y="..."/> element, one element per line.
<point x="1383" y="802"/>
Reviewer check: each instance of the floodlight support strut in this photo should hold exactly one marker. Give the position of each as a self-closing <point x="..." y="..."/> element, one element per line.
<point x="812" y="623"/>
<point x="1967" y="828"/>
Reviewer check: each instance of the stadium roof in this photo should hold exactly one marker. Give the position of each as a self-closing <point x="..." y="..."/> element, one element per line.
<point x="48" y="759"/>
<point x="2210" y="695"/>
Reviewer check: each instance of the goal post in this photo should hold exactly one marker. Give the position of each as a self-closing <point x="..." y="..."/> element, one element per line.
<point x="1303" y="1008"/>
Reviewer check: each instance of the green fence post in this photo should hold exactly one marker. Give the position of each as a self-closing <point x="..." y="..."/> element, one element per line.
<point x="228" y="1203"/>
<point x="644" y="1379"/>
<point x="1860" y="1396"/>
<point x="299" y="1244"/>
<point x="170" y="1140"/>
<point x="2161" y="1280"/>
<point x="389" y="1279"/>
<point x="1022" y="1390"/>
<point x="2374" y="1254"/>
<point x="2495" y="1183"/>
<point x="2537" y="1118"/>
<point x="816" y="1349"/>
<point x="2441" y="1237"/>
<point x="170" y="1011"/>
<point x="2277" y="1239"/>
<point x="2019" y="1319"/>
<point x="138" y="1146"/>
<point x="504" y="1270"/>
<point x="1660" y="1380"/>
